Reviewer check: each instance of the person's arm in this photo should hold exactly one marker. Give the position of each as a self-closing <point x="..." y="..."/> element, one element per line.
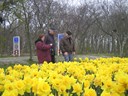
<point x="62" y="46"/>
<point x="43" y="46"/>
<point x="74" y="48"/>
<point x="46" y="46"/>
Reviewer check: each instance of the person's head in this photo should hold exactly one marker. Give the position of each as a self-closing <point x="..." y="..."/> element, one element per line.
<point x="68" y="34"/>
<point x="42" y="37"/>
<point x="51" y="31"/>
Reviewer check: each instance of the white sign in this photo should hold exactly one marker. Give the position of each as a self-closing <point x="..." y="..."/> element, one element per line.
<point x="16" y="46"/>
<point x="60" y="36"/>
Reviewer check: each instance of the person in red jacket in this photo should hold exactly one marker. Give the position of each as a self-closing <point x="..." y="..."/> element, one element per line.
<point x="43" y="50"/>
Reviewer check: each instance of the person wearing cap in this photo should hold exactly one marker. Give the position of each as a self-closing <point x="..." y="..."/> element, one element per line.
<point x="67" y="46"/>
<point x="50" y="40"/>
<point x="43" y="50"/>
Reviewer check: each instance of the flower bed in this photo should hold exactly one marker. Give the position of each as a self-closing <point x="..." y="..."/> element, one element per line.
<point x="99" y="77"/>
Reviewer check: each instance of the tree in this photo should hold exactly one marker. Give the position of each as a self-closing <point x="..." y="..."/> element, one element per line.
<point x="113" y="23"/>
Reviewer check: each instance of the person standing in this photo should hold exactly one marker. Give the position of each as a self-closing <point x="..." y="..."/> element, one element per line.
<point x="51" y="40"/>
<point x="43" y="50"/>
<point x="67" y="46"/>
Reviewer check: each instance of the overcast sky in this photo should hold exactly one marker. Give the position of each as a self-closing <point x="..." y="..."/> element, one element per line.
<point x="71" y="2"/>
<point x="74" y="2"/>
<point x="79" y="2"/>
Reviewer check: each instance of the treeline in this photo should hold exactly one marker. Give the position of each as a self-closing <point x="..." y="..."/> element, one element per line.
<point x="98" y="26"/>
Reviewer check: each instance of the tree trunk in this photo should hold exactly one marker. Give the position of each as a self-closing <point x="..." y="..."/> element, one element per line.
<point x="122" y="45"/>
<point x="27" y="19"/>
<point x="126" y="49"/>
<point x="113" y="45"/>
<point x="29" y="41"/>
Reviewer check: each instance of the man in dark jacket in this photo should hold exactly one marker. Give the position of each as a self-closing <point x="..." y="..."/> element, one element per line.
<point x="67" y="46"/>
<point x="49" y="39"/>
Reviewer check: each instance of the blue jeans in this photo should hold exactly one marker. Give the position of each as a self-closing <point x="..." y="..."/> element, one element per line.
<point x="68" y="57"/>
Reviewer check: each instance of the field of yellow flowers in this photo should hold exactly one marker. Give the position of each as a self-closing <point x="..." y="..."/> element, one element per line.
<point x="99" y="77"/>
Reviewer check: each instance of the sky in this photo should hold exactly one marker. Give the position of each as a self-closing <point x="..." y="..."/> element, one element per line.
<point x="74" y="2"/>
<point x="79" y="2"/>
<point x="71" y="2"/>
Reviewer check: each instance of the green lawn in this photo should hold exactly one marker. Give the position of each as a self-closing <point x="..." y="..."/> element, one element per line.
<point x="4" y="61"/>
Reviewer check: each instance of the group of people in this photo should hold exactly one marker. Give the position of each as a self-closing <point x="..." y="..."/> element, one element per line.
<point x="45" y="47"/>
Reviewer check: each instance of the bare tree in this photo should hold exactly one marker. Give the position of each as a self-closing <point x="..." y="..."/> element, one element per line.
<point x="98" y="27"/>
<point x="113" y="23"/>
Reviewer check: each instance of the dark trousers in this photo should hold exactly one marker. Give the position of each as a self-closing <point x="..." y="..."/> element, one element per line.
<point x="53" y="59"/>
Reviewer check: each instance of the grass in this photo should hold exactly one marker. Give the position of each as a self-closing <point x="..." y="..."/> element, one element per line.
<point x="58" y="59"/>
<point x="4" y="66"/>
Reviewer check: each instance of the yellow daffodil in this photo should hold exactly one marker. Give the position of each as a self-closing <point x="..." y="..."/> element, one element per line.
<point x="20" y="86"/>
<point x="90" y="92"/>
<point x="83" y="78"/>
<point x="77" y="88"/>
<point x="1" y="88"/>
<point x="43" y="88"/>
<point x="10" y="93"/>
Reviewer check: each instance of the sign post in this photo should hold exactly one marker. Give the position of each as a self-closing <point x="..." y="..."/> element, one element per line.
<point x="60" y="36"/>
<point x="16" y="46"/>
